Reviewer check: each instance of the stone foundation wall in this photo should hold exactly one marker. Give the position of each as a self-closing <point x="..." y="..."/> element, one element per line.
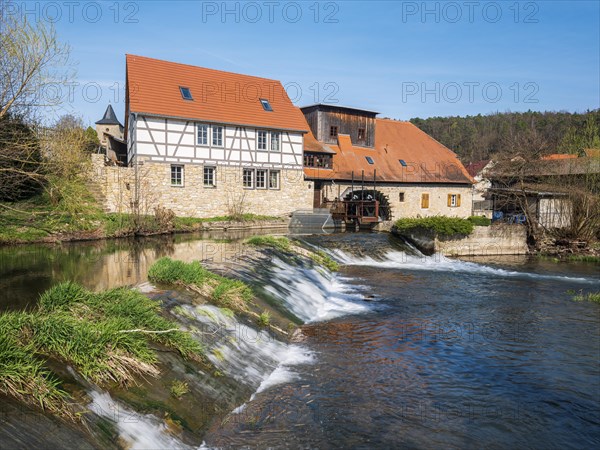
<point x="411" y="204"/>
<point x="117" y="188"/>
<point x="502" y="239"/>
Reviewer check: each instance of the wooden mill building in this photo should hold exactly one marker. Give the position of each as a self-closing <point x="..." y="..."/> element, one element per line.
<point x="350" y="154"/>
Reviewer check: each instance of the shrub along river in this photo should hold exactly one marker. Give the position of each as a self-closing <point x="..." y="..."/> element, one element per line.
<point x="396" y="349"/>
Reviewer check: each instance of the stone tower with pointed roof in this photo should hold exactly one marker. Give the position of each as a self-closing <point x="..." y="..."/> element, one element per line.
<point x="109" y="125"/>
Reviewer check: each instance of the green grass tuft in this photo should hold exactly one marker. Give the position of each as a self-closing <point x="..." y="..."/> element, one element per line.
<point x="584" y="258"/>
<point x="281" y="242"/>
<point x="585" y="297"/>
<point x="323" y="259"/>
<point x="264" y="319"/>
<point x="223" y="292"/>
<point x="179" y="389"/>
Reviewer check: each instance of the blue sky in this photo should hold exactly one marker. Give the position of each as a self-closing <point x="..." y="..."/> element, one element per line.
<point x="403" y="59"/>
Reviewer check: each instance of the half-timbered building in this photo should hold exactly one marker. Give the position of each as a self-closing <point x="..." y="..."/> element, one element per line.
<point x="210" y="143"/>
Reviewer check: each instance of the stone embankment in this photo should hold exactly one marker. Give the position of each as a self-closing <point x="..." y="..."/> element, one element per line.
<point x="495" y="240"/>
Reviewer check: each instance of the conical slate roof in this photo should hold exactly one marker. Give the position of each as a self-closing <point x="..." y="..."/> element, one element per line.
<point x="109" y="118"/>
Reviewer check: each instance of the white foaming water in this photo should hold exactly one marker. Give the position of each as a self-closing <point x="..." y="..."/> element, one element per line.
<point x="140" y="431"/>
<point x="252" y="357"/>
<point x="310" y="294"/>
<point x="440" y="263"/>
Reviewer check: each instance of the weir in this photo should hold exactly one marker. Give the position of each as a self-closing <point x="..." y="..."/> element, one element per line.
<point x="249" y="362"/>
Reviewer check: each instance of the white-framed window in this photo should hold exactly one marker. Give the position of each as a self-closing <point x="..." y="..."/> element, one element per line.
<point x="176" y="175"/>
<point x="209" y="176"/>
<point x="274" y="179"/>
<point x="217" y="136"/>
<point x="261" y="178"/>
<point x="261" y="140"/>
<point x="202" y="134"/>
<point x="453" y="200"/>
<point x="275" y="140"/>
<point x="248" y="178"/>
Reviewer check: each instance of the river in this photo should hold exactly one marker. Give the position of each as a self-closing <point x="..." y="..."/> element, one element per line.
<point x="398" y="349"/>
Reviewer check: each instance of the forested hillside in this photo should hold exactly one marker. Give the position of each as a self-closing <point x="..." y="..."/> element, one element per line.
<point x="503" y="135"/>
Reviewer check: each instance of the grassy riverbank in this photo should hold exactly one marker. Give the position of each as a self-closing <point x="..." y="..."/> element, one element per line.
<point x="35" y="221"/>
<point x="108" y="337"/>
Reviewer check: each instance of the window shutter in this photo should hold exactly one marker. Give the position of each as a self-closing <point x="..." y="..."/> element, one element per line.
<point x="449" y="199"/>
<point x="457" y="199"/>
<point x="425" y="201"/>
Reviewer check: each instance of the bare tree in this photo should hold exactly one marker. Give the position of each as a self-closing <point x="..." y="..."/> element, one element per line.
<point x="31" y="59"/>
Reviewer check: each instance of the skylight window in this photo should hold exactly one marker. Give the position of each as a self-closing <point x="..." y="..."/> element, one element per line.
<point x="402" y="163"/>
<point x="370" y="160"/>
<point x="266" y="105"/>
<point x="186" y="93"/>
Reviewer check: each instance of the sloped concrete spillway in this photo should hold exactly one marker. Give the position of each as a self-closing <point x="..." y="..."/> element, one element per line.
<point x="311" y="220"/>
<point x="254" y="358"/>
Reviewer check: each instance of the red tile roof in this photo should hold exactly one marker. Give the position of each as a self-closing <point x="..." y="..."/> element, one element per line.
<point x="556" y="156"/>
<point x="224" y="97"/>
<point x="475" y="167"/>
<point x="312" y="145"/>
<point x="426" y="160"/>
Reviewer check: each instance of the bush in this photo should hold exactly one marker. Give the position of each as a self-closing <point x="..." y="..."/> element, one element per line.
<point x="480" y="221"/>
<point x="441" y="226"/>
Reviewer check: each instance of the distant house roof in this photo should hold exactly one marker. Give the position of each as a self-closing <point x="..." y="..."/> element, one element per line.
<point x="475" y="167"/>
<point x="557" y="156"/>
<point x="592" y="152"/>
<point x="402" y="153"/>
<point x="156" y="87"/>
<point x="110" y="118"/>
<point x="312" y="145"/>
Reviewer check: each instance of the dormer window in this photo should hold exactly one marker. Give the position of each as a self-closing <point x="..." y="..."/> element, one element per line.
<point x="186" y="93"/>
<point x="266" y="104"/>
<point x="370" y="160"/>
<point x="402" y="163"/>
<point x="333" y="131"/>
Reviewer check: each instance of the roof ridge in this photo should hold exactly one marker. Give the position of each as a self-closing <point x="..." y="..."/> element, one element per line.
<point x="393" y="120"/>
<point x="127" y="55"/>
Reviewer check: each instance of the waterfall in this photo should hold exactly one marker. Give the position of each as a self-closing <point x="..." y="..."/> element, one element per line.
<point x="139" y="431"/>
<point x="440" y="263"/>
<point x="252" y="357"/>
<point x="313" y="295"/>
